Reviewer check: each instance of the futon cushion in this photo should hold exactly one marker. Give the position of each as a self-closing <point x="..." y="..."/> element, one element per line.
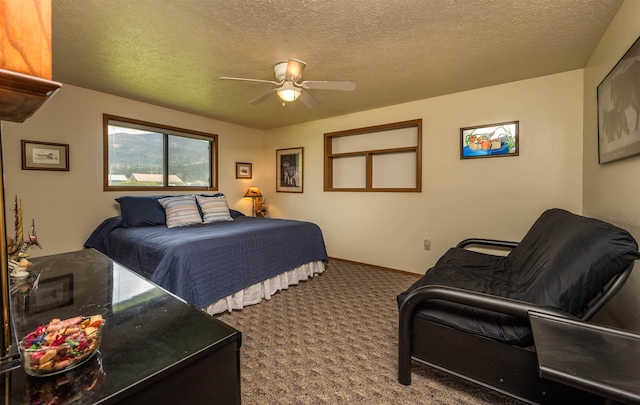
<point x="181" y="211"/>
<point x="141" y="211"/>
<point x="565" y="259"/>
<point x="214" y="209"/>
<point x="562" y="262"/>
<point x="478" y="272"/>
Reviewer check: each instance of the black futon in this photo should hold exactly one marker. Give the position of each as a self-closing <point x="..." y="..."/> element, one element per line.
<point x="469" y="313"/>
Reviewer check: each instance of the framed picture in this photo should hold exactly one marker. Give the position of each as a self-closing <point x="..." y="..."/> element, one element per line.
<point x="490" y="140"/>
<point x="243" y="170"/>
<point x="44" y="156"/>
<point x="53" y="293"/>
<point x="289" y="169"/>
<point x="618" y="109"/>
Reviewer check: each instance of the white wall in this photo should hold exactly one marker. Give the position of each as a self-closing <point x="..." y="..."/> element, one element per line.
<point x="67" y="206"/>
<point x="612" y="191"/>
<point x="494" y="198"/>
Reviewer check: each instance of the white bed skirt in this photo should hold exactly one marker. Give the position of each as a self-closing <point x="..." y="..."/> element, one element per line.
<point x="265" y="289"/>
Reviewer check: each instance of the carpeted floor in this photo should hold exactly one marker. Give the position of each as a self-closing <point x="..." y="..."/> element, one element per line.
<point x="333" y="340"/>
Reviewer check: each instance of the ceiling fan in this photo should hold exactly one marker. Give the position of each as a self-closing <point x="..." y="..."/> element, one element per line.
<point x="288" y="75"/>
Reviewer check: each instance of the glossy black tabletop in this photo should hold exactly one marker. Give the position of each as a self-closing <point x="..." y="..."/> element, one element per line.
<point x="591" y="357"/>
<point x="147" y="330"/>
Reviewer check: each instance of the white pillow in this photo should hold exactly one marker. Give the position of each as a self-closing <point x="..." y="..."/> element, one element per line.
<point x="180" y="211"/>
<point x="214" y="209"/>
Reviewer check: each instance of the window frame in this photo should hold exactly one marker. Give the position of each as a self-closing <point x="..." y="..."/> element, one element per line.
<point x="368" y="155"/>
<point x="166" y="130"/>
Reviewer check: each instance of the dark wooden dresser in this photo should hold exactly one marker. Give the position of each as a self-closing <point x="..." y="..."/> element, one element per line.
<point x="155" y="347"/>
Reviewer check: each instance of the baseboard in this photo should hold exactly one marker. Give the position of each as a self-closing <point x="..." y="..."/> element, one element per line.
<point x="417" y="275"/>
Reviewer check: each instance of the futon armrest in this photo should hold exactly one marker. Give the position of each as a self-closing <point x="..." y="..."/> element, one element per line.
<point x="474" y="299"/>
<point x="437" y="292"/>
<point x="505" y="244"/>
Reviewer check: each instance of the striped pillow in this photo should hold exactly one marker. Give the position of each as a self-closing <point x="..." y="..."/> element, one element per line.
<point x="214" y="209"/>
<point x="181" y="211"/>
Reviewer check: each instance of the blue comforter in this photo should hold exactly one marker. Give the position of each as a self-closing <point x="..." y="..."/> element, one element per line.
<point x="206" y="262"/>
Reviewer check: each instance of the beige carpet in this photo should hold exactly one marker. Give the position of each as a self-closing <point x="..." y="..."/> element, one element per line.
<point x="333" y="340"/>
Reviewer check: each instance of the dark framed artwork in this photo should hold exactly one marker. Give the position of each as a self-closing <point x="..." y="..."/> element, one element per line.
<point x="44" y="156"/>
<point x="619" y="109"/>
<point x="53" y="293"/>
<point x="289" y="167"/>
<point x="243" y="170"/>
<point x="491" y="140"/>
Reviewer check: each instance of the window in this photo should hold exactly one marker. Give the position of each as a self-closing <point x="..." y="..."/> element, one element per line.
<point x="145" y="156"/>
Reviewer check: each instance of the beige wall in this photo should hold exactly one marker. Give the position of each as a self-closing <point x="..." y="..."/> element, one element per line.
<point x="612" y="191"/>
<point x="67" y="206"/>
<point x="494" y="198"/>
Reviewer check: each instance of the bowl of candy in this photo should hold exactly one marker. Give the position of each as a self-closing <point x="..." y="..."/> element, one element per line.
<point x="61" y="345"/>
<point x="70" y="387"/>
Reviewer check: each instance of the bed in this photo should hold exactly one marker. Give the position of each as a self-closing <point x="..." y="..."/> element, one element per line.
<point x="217" y="265"/>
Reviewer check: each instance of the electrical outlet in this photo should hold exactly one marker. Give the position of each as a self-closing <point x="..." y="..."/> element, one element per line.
<point x="427" y="244"/>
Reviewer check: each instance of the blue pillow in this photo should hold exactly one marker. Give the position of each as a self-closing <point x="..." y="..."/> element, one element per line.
<point x="235" y="214"/>
<point x="141" y="211"/>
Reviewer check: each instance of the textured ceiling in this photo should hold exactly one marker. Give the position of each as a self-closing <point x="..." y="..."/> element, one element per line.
<point x="171" y="53"/>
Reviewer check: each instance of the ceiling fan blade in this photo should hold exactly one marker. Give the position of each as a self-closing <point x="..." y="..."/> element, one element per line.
<point x="328" y="85"/>
<point x="262" y="97"/>
<point x="294" y="70"/>
<point x="308" y="100"/>
<point x="242" y="79"/>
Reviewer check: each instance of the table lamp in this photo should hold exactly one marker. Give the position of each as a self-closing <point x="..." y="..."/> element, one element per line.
<point x="253" y="193"/>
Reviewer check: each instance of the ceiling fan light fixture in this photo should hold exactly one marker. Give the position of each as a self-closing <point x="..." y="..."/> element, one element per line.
<point x="288" y="92"/>
<point x="288" y="75"/>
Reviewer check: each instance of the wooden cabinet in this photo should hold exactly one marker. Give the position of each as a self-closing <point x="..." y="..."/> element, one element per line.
<point x="25" y="58"/>
<point x="25" y="84"/>
<point x="156" y="349"/>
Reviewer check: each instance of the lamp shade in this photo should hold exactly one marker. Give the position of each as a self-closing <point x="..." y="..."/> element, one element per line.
<point x="253" y="192"/>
